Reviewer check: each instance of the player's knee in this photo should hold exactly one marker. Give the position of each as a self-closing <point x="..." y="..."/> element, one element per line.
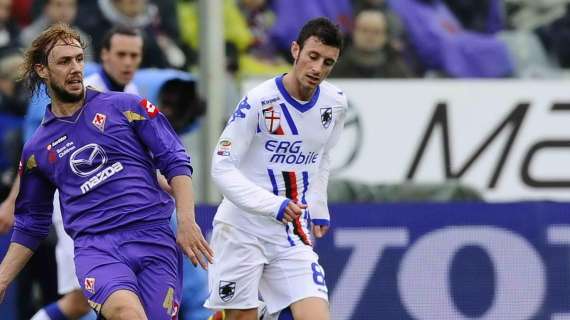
<point x="249" y="314"/>
<point x="125" y="313"/>
<point x="82" y="307"/>
<point x="79" y="303"/>
<point x="74" y="304"/>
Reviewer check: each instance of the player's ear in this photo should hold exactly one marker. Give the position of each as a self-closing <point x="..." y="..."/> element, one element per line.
<point x="295" y="49"/>
<point x="104" y="54"/>
<point x="41" y="70"/>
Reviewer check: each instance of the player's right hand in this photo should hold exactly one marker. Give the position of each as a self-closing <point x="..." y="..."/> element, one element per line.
<point x="293" y="211"/>
<point x="6" y="215"/>
<point x="189" y="237"/>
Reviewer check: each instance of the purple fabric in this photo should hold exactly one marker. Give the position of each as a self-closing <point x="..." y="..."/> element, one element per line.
<point x="496" y="21"/>
<point x="145" y="261"/>
<point x="442" y="44"/>
<point x="103" y="160"/>
<point x="291" y="15"/>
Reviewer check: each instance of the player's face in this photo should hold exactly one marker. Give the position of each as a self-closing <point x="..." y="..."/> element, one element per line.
<point x="64" y="72"/>
<point x="314" y="62"/>
<point x="123" y="58"/>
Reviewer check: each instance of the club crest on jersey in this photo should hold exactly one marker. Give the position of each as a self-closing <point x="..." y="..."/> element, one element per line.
<point x="99" y="121"/>
<point x="150" y="108"/>
<point x="90" y="284"/>
<point x="272" y="119"/>
<point x="227" y="289"/>
<point x="326" y="117"/>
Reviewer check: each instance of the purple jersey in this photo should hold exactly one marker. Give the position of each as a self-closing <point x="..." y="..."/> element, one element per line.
<point x="103" y="160"/>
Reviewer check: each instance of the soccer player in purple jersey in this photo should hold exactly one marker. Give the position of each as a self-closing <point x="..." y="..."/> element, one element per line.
<point x="101" y="150"/>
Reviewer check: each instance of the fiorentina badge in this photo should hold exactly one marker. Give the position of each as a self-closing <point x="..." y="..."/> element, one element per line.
<point x="99" y="121"/>
<point x="90" y="284"/>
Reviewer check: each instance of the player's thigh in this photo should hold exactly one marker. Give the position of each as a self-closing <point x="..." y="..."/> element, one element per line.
<point x="293" y="275"/>
<point x="160" y="280"/>
<point x="100" y="274"/>
<point x="123" y="305"/>
<point x="311" y="308"/>
<point x="234" y="276"/>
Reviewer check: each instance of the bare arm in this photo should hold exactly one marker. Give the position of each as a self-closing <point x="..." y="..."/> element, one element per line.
<point x="15" y="259"/>
<point x="189" y="235"/>
<point x="163" y="183"/>
<point x="7" y="207"/>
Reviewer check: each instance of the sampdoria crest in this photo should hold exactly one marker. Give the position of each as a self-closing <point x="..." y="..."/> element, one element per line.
<point x="326" y="117"/>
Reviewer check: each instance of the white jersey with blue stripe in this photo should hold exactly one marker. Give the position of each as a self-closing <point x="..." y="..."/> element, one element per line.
<point x="275" y="148"/>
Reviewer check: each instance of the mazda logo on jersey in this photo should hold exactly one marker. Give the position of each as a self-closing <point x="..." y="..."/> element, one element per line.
<point x="87" y="160"/>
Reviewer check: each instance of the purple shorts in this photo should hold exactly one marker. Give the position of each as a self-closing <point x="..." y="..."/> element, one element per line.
<point x="146" y="261"/>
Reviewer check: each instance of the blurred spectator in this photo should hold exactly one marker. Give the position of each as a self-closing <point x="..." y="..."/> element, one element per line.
<point x="292" y="14"/>
<point x="555" y="37"/>
<point x="261" y="57"/>
<point x="13" y="102"/>
<point x="485" y="16"/>
<point x="9" y="31"/>
<point x="395" y="26"/>
<point x="176" y="95"/>
<point x="444" y="46"/>
<point x="237" y="35"/>
<point x="121" y="56"/>
<point x="532" y="14"/>
<point x="21" y="12"/>
<point x="55" y="11"/>
<point x="160" y="49"/>
<point x="13" y="96"/>
<point x="369" y="55"/>
<point x="168" y="17"/>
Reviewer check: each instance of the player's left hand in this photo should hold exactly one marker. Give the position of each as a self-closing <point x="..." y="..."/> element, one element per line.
<point x="189" y="237"/>
<point x="320" y="231"/>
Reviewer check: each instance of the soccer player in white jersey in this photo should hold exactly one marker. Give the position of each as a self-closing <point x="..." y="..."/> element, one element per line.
<point x="272" y="165"/>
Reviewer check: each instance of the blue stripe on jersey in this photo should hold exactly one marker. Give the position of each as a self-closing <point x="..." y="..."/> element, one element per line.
<point x="258" y="128"/>
<point x="291" y="242"/>
<point x="305" y="186"/>
<point x="296" y="104"/>
<point x="289" y="119"/>
<point x="303" y="200"/>
<point x="273" y="181"/>
<point x="276" y="192"/>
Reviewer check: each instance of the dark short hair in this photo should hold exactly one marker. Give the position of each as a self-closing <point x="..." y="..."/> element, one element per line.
<point x="123" y="30"/>
<point x="322" y="28"/>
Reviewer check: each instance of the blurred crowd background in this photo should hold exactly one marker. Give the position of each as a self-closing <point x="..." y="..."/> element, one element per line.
<point x="395" y="39"/>
<point x="384" y="39"/>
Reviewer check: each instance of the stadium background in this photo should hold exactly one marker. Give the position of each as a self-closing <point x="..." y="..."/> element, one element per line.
<point x="450" y="193"/>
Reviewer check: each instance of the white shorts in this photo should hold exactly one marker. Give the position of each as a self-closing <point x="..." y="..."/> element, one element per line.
<point x="246" y="267"/>
<point x="66" y="278"/>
